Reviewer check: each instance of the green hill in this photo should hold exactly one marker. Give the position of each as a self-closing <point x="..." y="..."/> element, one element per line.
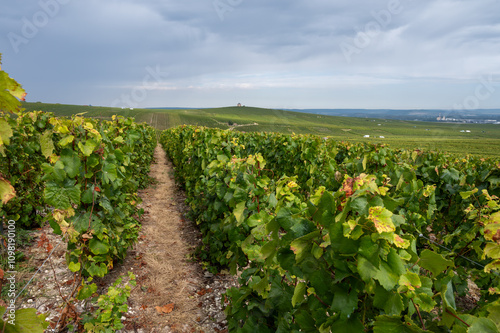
<point x="482" y="140"/>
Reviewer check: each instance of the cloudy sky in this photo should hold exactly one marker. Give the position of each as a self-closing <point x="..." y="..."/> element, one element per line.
<point x="267" y="53"/>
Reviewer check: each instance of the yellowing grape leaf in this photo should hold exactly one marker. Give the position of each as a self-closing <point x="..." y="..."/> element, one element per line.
<point x="5" y="132"/>
<point x="7" y="191"/>
<point x="46" y="144"/>
<point x="10" y="92"/>
<point x="492" y="228"/>
<point x="381" y="218"/>
<point x="401" y="242"/>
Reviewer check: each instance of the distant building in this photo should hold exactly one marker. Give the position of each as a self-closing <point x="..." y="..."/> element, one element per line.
<point x="239" y="104"/>
<point x="366" y="136"/>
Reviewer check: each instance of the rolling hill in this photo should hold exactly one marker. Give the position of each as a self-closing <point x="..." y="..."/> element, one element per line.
<point x="478" y="139"/>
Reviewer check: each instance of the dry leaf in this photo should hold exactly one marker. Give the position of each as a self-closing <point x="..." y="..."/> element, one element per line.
<point x="165" y="309"/>
<point x="69" y="282"/>
<point x="1" y="274"/>
<point x="49" y="247"/>
<point x="204" y="291"/>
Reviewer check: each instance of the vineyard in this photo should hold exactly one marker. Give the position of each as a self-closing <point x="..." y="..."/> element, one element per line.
<point x="334" y="237"/>
<point x="82" y="176"/>
<point x="324" y="235"/>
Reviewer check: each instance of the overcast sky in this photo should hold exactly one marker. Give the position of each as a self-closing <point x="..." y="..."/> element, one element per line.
<point x="268" y="53"/>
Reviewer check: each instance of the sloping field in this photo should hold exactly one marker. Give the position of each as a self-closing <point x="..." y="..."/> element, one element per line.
<point x="482" y="140"/>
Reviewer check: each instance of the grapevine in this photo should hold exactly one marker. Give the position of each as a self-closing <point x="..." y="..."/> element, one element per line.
<point x="333" y="237"/>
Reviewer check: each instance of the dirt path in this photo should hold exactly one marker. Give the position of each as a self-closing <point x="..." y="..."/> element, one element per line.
<point x="173" y="293"/>
<point x="166" y="278"/>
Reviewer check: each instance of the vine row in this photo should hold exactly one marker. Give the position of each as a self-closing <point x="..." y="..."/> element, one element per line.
<point x="330" y="236"/>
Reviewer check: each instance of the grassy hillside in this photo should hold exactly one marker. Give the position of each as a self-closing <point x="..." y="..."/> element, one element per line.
<point x="483" y="140"/>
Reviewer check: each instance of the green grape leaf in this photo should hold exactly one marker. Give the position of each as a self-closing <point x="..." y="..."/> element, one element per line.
<point x="366" y="269"/>
<point x="109" y="173"/>
<point x="262" y="287"/>
<point x="370" y="250"/>
<point x="393" y="324"/>
<point x="494" y="313"/>
<point x="298" y="293"/>
<point x="95" y="270"/>
<point x="467" y="194"/>
<point x="238" y="212"/>
<point x="268" y="249"/>
<point x="351" y="325"/>
<point x="257" y="219"/>
<point x="61" y="197"/>
<point x="26" y="320"/>
<point x="344" y="301"/>
<point x="389" y="272"/>
<point x="46" y="143"/>
<point x="88" y="147"/>
<point x="450" y="175"/>
<point x="106" y="204"/>
<point x="71" y="162"/>
<point x="74" y="267"/>
<point x="387" y="278"/>
<point x="317" y="251"/>
<point x="483" y="325"/>
<point x="83" y="222"/>
<point x="301" y="245"/>
<point x="390" y="302"/>
<point x="86" y="291"/>
<point x="425" y="302"/>
<point x="449" y="296"/>
<point x="66" y="140"/>
<point x="434" y="262"/>
<point x="98" y="247"/>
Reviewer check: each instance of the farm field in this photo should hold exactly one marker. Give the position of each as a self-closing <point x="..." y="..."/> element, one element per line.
<point x="482" y="140"/>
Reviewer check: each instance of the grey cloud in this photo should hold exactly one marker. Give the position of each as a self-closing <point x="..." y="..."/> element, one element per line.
<point x="99" y="50"/>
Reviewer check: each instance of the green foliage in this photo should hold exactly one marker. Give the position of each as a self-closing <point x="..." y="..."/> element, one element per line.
<point x="92" y="185"/>
<point x="111" y="307"/>
<point x="20" y="184"/>
<point x="340" y="237"/>
<point x="10" y="92"/>
<point x="88" y="173"/>
<point x="23" y="320"/>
